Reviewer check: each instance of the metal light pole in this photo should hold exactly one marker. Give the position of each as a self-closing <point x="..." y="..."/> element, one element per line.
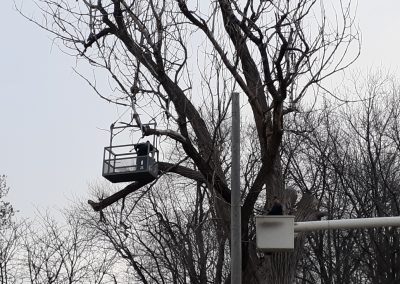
<point x="236" y="235"/>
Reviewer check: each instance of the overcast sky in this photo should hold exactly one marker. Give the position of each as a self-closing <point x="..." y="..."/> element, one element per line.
<point x="51" y="139"/>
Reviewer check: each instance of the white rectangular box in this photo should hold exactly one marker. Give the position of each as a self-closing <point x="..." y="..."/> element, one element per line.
<point x="275" y="233"/>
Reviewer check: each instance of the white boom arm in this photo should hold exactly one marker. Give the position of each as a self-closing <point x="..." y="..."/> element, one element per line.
<point x="346" y="224"/>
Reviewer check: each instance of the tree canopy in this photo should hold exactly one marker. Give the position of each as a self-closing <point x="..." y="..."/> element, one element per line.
<point x="177" y="62"/>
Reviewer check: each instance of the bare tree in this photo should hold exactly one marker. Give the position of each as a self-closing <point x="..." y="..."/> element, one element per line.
<point x="184" y="58"/>
<point x="349" y="161"/>
<point x="10" y="232"/>
<point x="314" y="160"/>
<point x="6" y="209"/>
<point x="56" y="253"/>
<point x="166" y="237"/>
<point x="375" y="178"/>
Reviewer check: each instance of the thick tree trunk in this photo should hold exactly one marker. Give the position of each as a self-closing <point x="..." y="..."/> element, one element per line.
<point x="279" y="268"/>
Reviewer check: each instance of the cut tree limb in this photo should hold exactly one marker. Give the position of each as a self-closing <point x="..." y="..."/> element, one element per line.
<point x="98" y="206"/>
<point x="163" y="168"/>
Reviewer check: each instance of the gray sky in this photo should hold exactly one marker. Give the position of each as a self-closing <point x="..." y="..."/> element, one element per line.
<point x="51" y="144"/>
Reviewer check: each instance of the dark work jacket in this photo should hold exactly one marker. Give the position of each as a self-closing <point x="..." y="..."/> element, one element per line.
<point x="143" y="149"/>
<point x="276" y="209"/>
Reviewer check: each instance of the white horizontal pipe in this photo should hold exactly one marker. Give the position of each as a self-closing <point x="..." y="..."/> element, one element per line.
<point x="346" y="224"/>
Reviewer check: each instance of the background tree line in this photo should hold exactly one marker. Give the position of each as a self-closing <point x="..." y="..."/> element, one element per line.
<point x="344" y="155"/>
<point x="176" y="63"/>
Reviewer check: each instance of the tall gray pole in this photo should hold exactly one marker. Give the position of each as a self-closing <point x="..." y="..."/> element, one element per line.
<point x="236" y="236"/>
